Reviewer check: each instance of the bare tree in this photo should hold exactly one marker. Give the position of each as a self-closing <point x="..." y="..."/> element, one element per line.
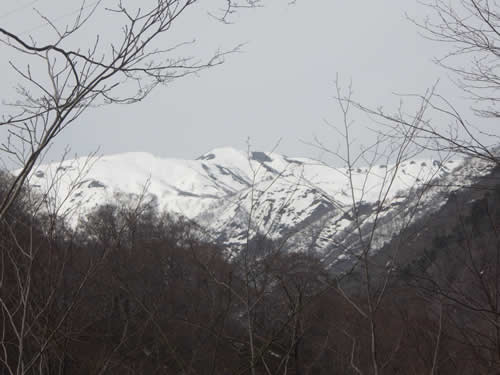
<point x="60" y="81"/>
<point x="462" y="303"/>
<point x="469" y="32"/>
<point x="374" y="171"/>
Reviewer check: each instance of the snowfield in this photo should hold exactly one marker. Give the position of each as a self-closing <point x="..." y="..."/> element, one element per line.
<point x="235" y="194"/>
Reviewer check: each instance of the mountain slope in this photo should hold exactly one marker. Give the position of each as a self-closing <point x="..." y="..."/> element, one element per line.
<point x="236" y="195"/>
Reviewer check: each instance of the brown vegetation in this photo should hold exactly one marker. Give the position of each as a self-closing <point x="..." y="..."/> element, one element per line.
<point x="133" y="291"/>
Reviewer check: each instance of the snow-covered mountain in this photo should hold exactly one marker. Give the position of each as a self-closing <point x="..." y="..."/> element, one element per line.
<point x="235" y="194"/>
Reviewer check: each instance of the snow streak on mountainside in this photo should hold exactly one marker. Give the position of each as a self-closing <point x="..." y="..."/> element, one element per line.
<point x="236" y="194"/>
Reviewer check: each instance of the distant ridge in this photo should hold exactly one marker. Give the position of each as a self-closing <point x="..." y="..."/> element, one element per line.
<point x="281" y="197"/>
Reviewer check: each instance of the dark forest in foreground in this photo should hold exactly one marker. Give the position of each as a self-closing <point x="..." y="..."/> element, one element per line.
<point x="135" y="292"/>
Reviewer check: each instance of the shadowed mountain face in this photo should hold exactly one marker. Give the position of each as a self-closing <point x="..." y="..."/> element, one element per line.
<point x="300" y="204"/>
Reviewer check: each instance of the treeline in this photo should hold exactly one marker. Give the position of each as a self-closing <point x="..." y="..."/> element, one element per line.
<point x="136" y="291"/>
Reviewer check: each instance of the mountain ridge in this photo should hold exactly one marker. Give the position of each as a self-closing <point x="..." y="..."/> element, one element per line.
<point x="237" y="195"/>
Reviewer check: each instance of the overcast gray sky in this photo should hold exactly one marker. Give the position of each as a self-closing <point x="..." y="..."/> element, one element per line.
<point x="280" y="87"/>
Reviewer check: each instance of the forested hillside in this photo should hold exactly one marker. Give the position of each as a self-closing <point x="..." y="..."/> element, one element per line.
<point x="133" y="290"/>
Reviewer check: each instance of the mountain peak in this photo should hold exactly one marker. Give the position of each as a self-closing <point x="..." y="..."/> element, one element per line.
<point x="225" y="189"/>
<point x="222" y="154"/>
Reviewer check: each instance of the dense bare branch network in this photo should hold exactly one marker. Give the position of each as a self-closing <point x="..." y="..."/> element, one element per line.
<point x="60" y="81"/>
